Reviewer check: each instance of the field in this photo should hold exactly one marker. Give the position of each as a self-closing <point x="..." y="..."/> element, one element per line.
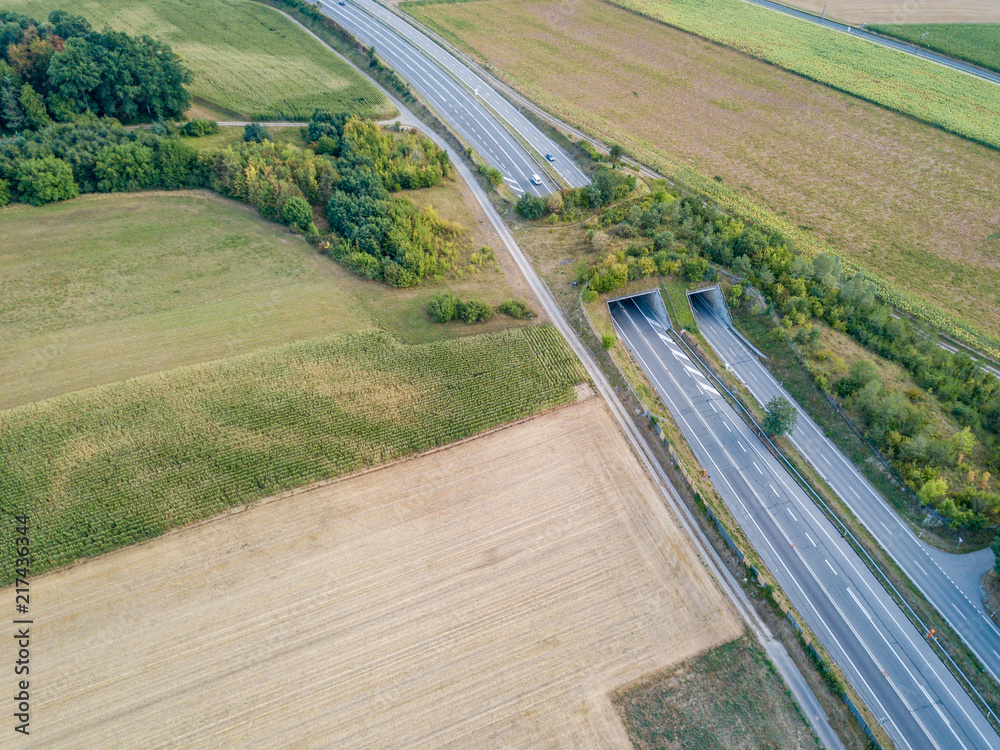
<point x="110" y="466"/>
<point x="891" y="11"/>
<point x="87" y="298"/>
<point x="244" y="57"/>
<point x="908" y="202"/>
<point x="488" y="595"/>
<point x="978" y="43"/>
<point x="729" y="698"/>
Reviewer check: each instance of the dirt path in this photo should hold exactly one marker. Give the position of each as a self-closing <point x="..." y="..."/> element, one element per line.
<point x="488" y="595"/>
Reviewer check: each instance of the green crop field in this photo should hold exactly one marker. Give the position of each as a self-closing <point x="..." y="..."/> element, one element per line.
<point x="103" y="288"/>
<point x="957" y="102"/>
<point x="107" y="287"/>
<point x="103" y="468"/>
<point x="244" y="57"/>
<point x="977" y="43"/>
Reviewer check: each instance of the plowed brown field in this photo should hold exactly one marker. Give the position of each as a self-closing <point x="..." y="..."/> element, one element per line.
<point x="905" y="11"/>
<point x="486" y="595"/>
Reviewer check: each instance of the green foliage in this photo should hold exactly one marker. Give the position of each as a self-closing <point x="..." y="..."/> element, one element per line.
<point x="254" y="132"/>
<point x="474" y="311"/>
<point x="781" y="417"/>
<point x="531" y="207"/>
<point x="172" y="448"/>
<point x="995" y="546"/>
<point x="515" y="308"/>
<point x="45" y="180"/>
<point x="443" y="307"/>
<point x="589" y="295"/>
<point x="608" y="340"/>
<point x="297" y="213"/>
<point x="932" y="491"/>
<point x="199" y="128"/>
<point x="326" y="145"/>
<point x="977" y="43"/>
<point x="125" y="167"/>
<point x="4" y="193"/>
<point x="67" y="68"/>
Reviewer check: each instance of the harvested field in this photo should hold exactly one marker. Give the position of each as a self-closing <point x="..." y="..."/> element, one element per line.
<point x="913" y="204"/>
<point x="901" y="11"/>
<point x="488" y="595"/>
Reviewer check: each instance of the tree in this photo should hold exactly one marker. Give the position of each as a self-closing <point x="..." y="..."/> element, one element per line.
<point x="531" y="206"/>
<point x="34" y="108"/>
<point x="616" y="152"/>
<point x="781" y="417"/>
<point x="297" y="213"/>
<point x="125" y="167"/>
<point x="254" y="132"/>
<point x="963" y="443"/>
<point x="443" y="307"/>
<point x="608" y="340"/>
<point x="996" y="554"/>
<point x="932" y="491"/>
<point x="5" y="196"/>
<point x="46" y="180"/>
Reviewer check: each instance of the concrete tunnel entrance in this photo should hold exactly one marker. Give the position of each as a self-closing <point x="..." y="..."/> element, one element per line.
<point x="713" y="298"/>
<point x="650" y="302"/>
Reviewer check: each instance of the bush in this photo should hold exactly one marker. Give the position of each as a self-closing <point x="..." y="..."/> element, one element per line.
<point x="254" y="132"/>
<point x="297" y="213"/>
<point x="363" y="264"/>
<point x="515" y="308"/>
<point x="41" y="181"/>
<point x="4" y="193"/>
<point x="589" y="296"/>
<point x="532" y="207"/>
<point x="608" y="340"/>
<point x="474" y="311"/>
<point x="326" y="145"/>
<point x="199" y="128"/>
<point x="443" y="307"/>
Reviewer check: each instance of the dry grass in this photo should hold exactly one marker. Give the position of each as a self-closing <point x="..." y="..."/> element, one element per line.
<point x="727" y="699"/>
<point x="487" y="595"/>
<point x="910" y="202"/>
<point x="899" y="11"/>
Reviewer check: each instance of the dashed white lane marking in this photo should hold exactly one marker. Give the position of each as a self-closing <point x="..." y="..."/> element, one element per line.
<point x="772" y="489"/>
<point x="791" y="514"/>
<point x="920" y="569"/>
<point x="823" y="456"/>
<point x="726" y="426"/>
<point x="886" y="528"/>
<point x="959" y="611"/>
<point x="713" y="407"/>
<point x="810" y="540"/>
<point x="757" y="468"/>
<point x="832" y="569"/>
<point x="855" y="493"/>
<point x="741" y="445"/>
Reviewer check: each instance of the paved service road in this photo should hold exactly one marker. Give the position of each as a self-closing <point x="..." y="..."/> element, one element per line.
<point x="897" y="44"/>
<point x="915" y="558"/>
<point x="918" y="701"/>
<point x="457" y="103"/>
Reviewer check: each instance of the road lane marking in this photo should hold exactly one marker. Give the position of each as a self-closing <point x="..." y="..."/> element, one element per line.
<point x="810" y="539"/>
<point x="919" y="568"/>
<point x="886" y="528"/>
<point x="959" y="611"/>
<point x="792" y="515"/>
<point x="724" y="424"/>
<point x="757" y="468"/>
<point x="741" y="445"/>
<point x="832" y="569"/>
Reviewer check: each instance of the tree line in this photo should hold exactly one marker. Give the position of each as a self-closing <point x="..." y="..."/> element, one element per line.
<point x="62" y="68"/>
<point x="668" y="233"/>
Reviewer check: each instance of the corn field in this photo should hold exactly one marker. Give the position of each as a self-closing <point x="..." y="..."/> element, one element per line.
<point x="107" y="467"/>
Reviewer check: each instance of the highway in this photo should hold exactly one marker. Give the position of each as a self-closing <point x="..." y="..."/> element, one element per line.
<point x="916" y="559"/>
<point x="458" y="103"/>
<point x="885" y="41"/>
<point x="894" y="670"/>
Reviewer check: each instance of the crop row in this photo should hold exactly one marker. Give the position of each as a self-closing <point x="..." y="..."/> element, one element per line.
<point x="952" y="100"/>
<point x="110" y="466"/>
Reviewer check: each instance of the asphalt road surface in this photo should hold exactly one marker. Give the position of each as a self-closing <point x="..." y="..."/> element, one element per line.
<point x="916" y="559"/>
<point x="885" y="41"/>
<point x="917" y="700"/>
<point x="457" y="103"/>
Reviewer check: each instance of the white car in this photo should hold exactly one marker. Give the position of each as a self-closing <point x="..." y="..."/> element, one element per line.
<point x="536" y="180"/>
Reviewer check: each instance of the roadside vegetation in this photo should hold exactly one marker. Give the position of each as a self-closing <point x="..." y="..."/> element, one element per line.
<point x="243" y="57"/>
<point x="785" y="153"/>
<point x="728" y="698"/>
<point x="977" y="43"/>
<point x="107" y="467"/>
